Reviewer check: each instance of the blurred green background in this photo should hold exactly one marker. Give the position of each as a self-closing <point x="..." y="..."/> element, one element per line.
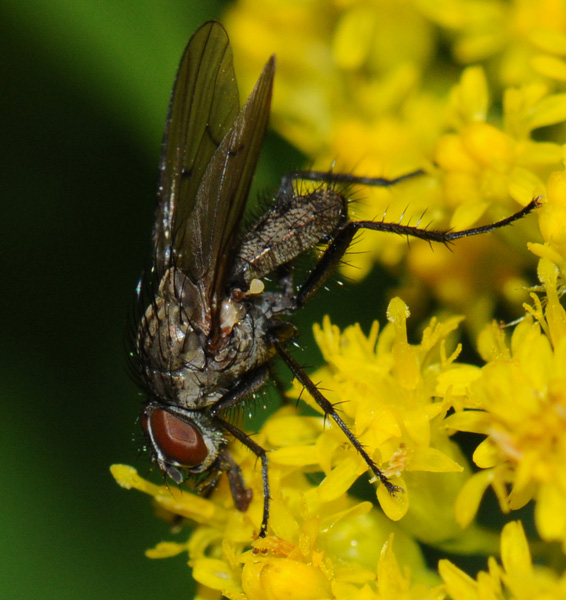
<point x="85" y="87"/>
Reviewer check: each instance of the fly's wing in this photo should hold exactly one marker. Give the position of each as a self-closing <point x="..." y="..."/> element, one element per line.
<point x="204" y="104"/>
<point x="210" y="154"/>
<point x="222" y="194"/>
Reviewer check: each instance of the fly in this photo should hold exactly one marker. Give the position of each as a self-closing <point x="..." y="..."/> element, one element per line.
<point x="208" y="328"/>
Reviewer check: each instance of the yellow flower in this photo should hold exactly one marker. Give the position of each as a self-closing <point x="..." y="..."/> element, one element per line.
<point x="331" y="60"/>
<point x="524" y="39"/>
<point x="483" y="168"/>
<point x="330" y="544"/>
<point x="394" y="396"/>
<point x="357" y="87"/>
<point x="519" y="403"/>
<point x="388" y="391"/>
<point x="552" y="223"/>
<point x="516" y="578"/>
<point x="390" y="394"/>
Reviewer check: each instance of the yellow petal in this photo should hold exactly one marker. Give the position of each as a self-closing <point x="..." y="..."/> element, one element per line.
<point x="467" y="214"/>
<point x="127" y="477"/>
<point x="342" y="476"/>
<point x="552" y="41"/>
<point x="550" y="110"/>
<point x="432" y="460"/>
<point x="459" y="585"/>
<point x="395" y="507"/>
<point x="215" y="574"/>
<point x="284" y="579"/>
<point x="515" y="553"/>
<point x="457" y="379"/>
<point x="487" y="144"/>
<point x="166" y="550"/>
<point x="451" y="155"/>
<point x="556" y="188"/>
<point x="549" y="66"/>
<point x="353" y="37"/>
<point x="550" y="513"/>
<point x="486" y="455"/>
<point x="284" y="429"/>
<point x="473" y="95"/>
<point x="524" y="185"/>
<point x="470" y="496"/>
<point x="389" y="574"/>
<point x="294" y="456"/>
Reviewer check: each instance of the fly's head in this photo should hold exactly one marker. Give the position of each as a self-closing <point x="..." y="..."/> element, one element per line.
<point x="180" y="442"/>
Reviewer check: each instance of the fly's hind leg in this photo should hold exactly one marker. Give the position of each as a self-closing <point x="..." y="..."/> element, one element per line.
<point x="286" y="185"/>
<point x="340" y="241"/>
<point x="344" y="234"/>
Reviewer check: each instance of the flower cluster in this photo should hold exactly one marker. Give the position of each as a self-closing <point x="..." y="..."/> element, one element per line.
<point x="470" y="92"/>
<point x="351" y="91"/>
<point x="392" y="399"/>
<point x="516" y="577"/>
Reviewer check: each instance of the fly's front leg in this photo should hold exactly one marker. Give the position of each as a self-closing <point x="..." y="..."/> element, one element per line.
<point x="261" y="454"/>
<point x="249" y="384"/>
<point x="242" y="495"/>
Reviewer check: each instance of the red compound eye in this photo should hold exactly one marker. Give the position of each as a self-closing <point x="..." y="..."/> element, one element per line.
<point x="176" y="439"/>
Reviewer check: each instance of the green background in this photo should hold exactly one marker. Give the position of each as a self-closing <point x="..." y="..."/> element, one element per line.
<point x="85" y="87"/>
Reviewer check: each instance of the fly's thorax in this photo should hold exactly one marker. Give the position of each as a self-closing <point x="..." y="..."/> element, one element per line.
<point x="231" y="313"/>
<point x="169" y="342"/>
<point x="180" y="441"/>
<point x="246" y="319"/>
<point x="173" y="321"/>
<point x="181" y="364"/>
<point x="295" y="224"/>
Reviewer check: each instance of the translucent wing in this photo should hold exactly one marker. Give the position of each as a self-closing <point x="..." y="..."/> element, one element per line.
<point x="210" y="154"/>
<point x="222" y="194"/>
<point x="204" y="104"/>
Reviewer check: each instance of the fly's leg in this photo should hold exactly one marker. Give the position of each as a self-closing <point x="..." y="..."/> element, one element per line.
<point x="334" y="253"/>
<point x="262" y="455"/>
<point x="296" y="223"/>
<point x="242" y="495"/>
<point x="329" y="410"/>
<point x="343" y="238"/>
<point x="250" y="383"/>
<point x="455" y="235"/>
<point x="338" y="248"/>
<point x="286" y="185"/>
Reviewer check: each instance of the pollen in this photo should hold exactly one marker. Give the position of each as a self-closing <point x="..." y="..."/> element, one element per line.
<point x="256" y="287"/>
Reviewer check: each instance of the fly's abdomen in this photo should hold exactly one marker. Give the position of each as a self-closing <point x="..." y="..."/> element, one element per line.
<point x="286" y="231"/>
